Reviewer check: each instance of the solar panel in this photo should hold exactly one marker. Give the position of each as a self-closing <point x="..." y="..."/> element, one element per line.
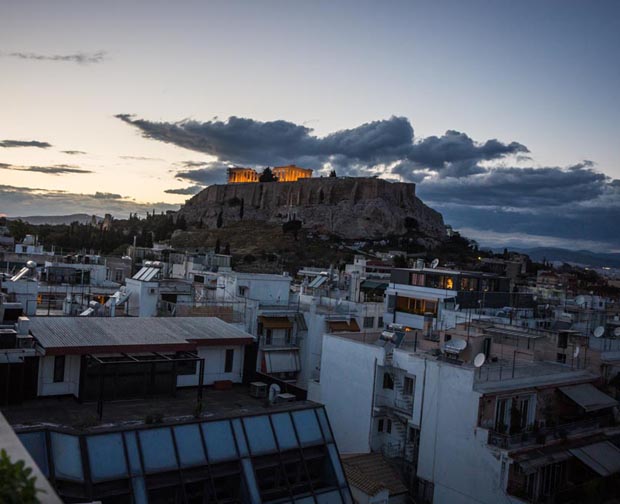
<point x="317" y="282"/>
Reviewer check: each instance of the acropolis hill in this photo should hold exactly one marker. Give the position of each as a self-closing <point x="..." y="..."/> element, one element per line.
<point x="350" y="207"/>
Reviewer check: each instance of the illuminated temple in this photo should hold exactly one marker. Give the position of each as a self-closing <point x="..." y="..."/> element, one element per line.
<point x="290" y="173"/>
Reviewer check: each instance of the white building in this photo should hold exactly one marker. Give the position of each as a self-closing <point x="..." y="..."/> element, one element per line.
<point x="465" y="434"/>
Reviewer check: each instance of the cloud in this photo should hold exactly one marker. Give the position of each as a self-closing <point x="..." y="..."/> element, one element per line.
<point x="191" y="190"/>
<point x="73" y="152"/>
<point x="107" y="196"/>
<point x="22" y="201"/>
<point x="212" y="173"/>
<point x="81" y="58"/>
<point x="140" y="158"/>
<point x="61" y="169"/>
<point x="359" y="150"/>
<point x="24" y="143"/>
<point x="192" y="164"/>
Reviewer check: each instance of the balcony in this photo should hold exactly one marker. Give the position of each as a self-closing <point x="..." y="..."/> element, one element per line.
<point x="542" y="436"/>
<point x="274" y="342"/>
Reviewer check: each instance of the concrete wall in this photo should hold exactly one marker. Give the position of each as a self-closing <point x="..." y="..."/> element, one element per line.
<point x="215" y="359"/>
<point x="143" y="299"/>
<point x="71" y="384"/>
<point x="454" y="454"/>
<point x="347" y="379"/>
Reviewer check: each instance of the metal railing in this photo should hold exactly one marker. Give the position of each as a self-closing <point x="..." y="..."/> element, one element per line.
<point x="540" y="436"/>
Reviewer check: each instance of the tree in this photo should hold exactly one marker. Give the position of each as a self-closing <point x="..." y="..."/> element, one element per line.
<point x="292" y="226"/>
<point x="400" y="261"/>
<point x="267" y="176"/>
<point x="220" y="220"/>
<point x="227" y="249"/>
<point x="17" y="485"/>
<point x="241" y="209"/>
<point x="332" y="174"/>
<point x="217" y="246"/>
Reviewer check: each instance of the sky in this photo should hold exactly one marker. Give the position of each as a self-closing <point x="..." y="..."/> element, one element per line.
<point x="505" y="114"/>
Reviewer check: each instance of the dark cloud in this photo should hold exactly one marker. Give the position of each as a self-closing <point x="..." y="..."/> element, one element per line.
<point x="73" y="152"/>
<point x="523" y="188"/>
<point x="24" y="143"/>
<point x="212" y="173"/>
<point x="35" y="201"/>
<point x="61" y="169"/>
<point x="192" y="164"/>
<point x="107" y="196"/>
<point x="191" y="190"/>
<point x="81" y="58"/>
<point x="354" y="151"/>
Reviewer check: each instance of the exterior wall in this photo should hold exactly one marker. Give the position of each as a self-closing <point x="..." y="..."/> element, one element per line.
<point x="143" y="299"/>
<point x="215" y="358"/>
<point x="71" y="385"/>
<point x="347" y="382"/>
<point x="454" y="454"/>
<point x="311" y="347"/>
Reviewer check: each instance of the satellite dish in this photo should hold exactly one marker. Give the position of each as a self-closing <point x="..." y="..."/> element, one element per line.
<point x="617" y="332"/>
<point x="580" y="300"/>
<point x="31" y="265"/>
<point x="599" y="331"/>
<point x="434" y="263"/>
<point x="576" y="352"/>
<point x="479" y="359"/>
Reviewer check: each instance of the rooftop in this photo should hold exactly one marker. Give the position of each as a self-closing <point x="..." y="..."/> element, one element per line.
<point x="67" y="412"/>
<point x="83" y="335"/>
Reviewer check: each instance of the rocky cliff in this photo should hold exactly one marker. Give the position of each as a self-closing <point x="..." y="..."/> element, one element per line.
<point x="351" y="208"/>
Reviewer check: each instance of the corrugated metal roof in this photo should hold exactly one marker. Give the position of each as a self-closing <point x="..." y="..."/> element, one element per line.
<point x="604" y="457"/>
<point x="589" y="397"/>
<point x="82" y="332"/>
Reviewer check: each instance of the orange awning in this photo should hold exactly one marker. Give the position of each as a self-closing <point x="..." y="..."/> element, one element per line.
<point x="343" y="325"/>
<point x="276" y="322"/>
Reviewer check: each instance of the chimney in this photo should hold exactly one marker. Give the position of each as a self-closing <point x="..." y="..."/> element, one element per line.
<point x="23" y="326"/>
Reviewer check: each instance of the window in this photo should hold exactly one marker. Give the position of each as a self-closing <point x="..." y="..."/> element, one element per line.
<point x="380" y="425"/>
<point x="388" y="426"/>
<point x="228" y="364"/>
<point x="59" y="368"/>
<point x="380" y="322"/>
<point x="243" y="291"/>
<point x="417" y="279"/>
<point x="268" y="337"/>
<point x="369" y="322"/>
<point x="388" y="381"/>
<point x="287" y="336"/>
<point x="562" y="340"/>
<point x="561" y="358"/>
<point x="119" y="275"/>
<point x="408" y="386"/>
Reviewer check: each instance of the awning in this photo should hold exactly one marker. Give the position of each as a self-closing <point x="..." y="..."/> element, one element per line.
<point x="276" y="322"/>
<point x="279" y="361"/>
<point x="603" y="458"/>
<point x="374" y="284"/>
<point x="588" y="397"/>
<point x="344" y="326"/>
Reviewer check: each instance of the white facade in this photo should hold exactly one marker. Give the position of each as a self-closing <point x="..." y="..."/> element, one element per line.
<point x="346" y="389"/>
<point x="215" y="362"/>
<point x="264" y="288"/>
<point x="143" y="299"/>
<point x="71" y="382"/>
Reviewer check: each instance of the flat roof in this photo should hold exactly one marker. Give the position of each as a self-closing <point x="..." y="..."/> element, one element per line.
<point x="83" y="335"/>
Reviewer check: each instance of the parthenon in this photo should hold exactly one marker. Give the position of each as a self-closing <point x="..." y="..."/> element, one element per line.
<point x="289" y="173"/>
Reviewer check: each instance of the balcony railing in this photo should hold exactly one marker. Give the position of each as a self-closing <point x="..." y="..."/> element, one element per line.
<point x="279" y="341"/>
<point x="541" y="436"/>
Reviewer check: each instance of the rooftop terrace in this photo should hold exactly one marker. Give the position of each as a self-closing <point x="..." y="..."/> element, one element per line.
<point x="68" y="412"/>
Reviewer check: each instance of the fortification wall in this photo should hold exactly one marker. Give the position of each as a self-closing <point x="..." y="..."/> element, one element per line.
<point x="348" y="207"/>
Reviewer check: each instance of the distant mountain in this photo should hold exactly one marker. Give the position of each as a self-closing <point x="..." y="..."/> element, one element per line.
<point x="57" y="219"/>
<point x="584" y="257"/>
